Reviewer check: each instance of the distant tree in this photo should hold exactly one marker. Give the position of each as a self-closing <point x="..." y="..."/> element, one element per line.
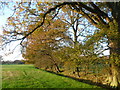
<point x="18" y="62"/>
<point x="1" y="59"/>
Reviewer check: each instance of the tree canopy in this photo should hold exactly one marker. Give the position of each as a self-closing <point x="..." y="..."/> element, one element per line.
<point x="45" y="31"/>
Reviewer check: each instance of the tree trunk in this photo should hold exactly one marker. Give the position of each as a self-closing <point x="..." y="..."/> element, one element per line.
<point x="57" y="68"/>
<point x="114" y="44"/>
<point x="115" y="75"/>
<point x="56" y="65"/>
<point x="77" y="70"/>
<point x="54" y="62"/>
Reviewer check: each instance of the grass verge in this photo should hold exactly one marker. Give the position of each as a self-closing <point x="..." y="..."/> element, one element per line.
<point x="26" y="76"/>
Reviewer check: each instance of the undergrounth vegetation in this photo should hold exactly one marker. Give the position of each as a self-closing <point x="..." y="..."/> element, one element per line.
<point x="26" y="76"/>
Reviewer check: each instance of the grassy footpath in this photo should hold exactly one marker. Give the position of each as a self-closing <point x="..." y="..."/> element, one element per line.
<point x="26" y="76"/>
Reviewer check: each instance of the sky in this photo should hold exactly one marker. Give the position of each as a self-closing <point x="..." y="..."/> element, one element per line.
<point x="8" y="53"/>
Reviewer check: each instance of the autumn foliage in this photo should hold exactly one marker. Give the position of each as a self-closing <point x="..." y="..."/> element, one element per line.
<point x="69" y="37"/>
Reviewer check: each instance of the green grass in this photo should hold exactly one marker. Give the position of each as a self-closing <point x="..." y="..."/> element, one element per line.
<point x="26" y="76"/>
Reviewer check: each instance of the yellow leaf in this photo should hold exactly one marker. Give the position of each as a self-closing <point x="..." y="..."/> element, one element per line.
<point x="21" y="9"/>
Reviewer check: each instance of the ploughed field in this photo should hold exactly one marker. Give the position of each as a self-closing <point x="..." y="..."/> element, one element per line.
<point x="26" y="76"/>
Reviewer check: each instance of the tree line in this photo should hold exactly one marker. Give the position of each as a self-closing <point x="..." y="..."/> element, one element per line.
<point x="12" y="62"/>
<point x="63" y="36"/>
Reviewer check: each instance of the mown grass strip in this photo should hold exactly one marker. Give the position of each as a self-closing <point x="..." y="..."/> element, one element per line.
<point x="26" y="76"/>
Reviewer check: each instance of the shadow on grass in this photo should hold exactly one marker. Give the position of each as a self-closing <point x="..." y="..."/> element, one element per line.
<point x="86" y="81"/>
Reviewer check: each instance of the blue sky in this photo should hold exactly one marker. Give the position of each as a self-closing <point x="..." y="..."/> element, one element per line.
<point x="7" y="52"/>
<point x="16" y="54"/>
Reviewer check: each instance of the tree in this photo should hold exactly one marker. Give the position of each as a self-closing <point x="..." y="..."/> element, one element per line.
<point x="1" y="58"/>
<point x="42" y="44"/>
<point x="105" y="16"/>
<point x="109" y="26"/>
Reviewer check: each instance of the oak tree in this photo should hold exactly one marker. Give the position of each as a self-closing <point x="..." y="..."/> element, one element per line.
<point x="105" y="16"/>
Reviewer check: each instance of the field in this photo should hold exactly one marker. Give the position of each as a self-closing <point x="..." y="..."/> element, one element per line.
<point x="26" y="76"/>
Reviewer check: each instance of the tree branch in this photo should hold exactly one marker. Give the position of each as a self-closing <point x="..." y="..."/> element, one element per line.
<point x="100" y="13"/>
<point x="89" y="18"/>
<point x="49" y="11"/>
